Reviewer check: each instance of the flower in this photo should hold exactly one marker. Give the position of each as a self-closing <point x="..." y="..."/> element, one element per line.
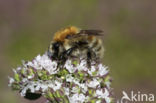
<point x="102" y="70"/>
<point x="78" y="98"/>
<point x="93" y="83"/>
<point x="74" y="83"/>
<point x="11" y="81"/>
<point x="44" y="62"/>
<point x="102" y="94"/>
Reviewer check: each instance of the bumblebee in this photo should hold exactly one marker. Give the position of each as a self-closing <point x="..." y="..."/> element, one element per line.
<point x="73" y="42"/>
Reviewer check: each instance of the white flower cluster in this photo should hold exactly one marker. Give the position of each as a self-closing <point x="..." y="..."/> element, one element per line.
<point x="36" y="86"/>
<point x="43" y="62"/>
<point x="76" y="81"/>
<point x="102" y="70"/>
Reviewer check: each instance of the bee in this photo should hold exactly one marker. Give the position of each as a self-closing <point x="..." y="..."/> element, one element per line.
<point x="73" y="42"/>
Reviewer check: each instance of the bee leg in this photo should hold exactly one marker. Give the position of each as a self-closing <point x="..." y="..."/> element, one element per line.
<point x="62" y="59"/>
<point x="64" y="56"/>
<point x="89" y="57"/>
<point x="69" y="51"/>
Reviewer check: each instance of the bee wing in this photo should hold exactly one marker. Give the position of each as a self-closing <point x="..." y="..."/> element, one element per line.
<point x="86" y="32"/>
<point x="91" y="32"/>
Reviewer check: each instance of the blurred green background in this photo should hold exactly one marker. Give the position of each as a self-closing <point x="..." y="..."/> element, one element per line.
<point x="27" y="27"/>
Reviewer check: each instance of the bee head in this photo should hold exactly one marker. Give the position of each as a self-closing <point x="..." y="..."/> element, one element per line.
<point x="53" y="50"/>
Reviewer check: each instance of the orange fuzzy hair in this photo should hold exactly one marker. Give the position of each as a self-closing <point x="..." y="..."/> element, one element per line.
<point x="61" y="35"/>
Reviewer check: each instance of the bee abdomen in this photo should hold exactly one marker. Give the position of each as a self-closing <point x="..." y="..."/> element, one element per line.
<point x="97" y="47"/>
